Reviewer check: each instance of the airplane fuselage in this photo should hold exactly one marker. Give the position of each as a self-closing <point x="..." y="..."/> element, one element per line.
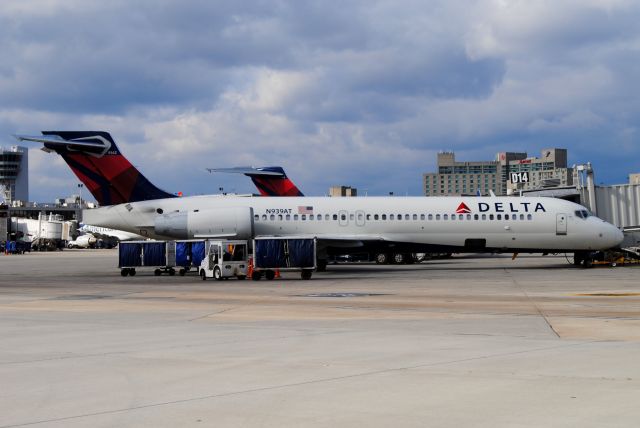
<point x="429" y="223"/>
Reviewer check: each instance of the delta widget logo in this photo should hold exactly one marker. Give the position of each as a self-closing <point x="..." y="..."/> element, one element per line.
<point x="463" y="209"/>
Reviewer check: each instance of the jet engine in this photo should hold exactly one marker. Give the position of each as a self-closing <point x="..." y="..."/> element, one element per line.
<point x="229" y="223"/>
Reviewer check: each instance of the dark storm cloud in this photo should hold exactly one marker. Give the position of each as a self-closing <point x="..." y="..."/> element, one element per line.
<point x="335" y="91"/>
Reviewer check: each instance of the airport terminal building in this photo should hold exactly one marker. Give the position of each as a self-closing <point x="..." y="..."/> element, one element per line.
<point x="508" y="174"/>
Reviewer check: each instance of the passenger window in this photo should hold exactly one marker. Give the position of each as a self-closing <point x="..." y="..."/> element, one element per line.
<point x="303" y="217"/>
<point x="295" y="216"/>
<point x="490" y="216"/>
<point x="453" y="216"/>
<point x="368" y="216"/>
<point x="406" y="217"/>
<point x="288" y="217"/>
<point x="360" y="217"/>
<point x="469" y="216"/>
<point x="351" y="217"/>
<point x="319" y="217"/>
<point x="310" y="216"/>
<point x="529" y="217"/>
<point x="445" y="217"/>
<point x="521" y="216"/>
<point x="399" y="216"/>
<point x="437" y="216"/>
<point x="335" y="216"/>
<point x="461" y="217"/>
<point x="264" y="217"/>
<point x="256" y="217"/>
<point x="343" y="217"/>
<point x="384" y="216"/>
<point x="280" y="217"/>
<point x="421" y="216"/>
<point x="499" y="216"/>
<point x="391" y="217"/>
<point x="430" y="217"/>
<point x="375" y="216"/>
<point x="484" y="216"/>
<point x="327" y="217"/>
<point x="272" y="217"/>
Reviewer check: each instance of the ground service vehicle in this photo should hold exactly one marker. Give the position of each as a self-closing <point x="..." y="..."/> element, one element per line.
<point x="224" y="259"/>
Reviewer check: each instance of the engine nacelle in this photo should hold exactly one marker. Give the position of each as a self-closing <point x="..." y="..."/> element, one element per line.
<point x="230" y="223"/>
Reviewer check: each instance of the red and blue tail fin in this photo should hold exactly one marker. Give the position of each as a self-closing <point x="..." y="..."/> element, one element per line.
<point x="96" y="160"/>
<point x="270" y="180"/>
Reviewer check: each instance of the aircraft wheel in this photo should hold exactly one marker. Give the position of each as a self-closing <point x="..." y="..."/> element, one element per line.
<point x="306" y="274"/>
<point x="382" y="258"/>
<point x="256" y="275"/>
<point x="132" y="272"/>
<point x="172" y="271"/>
<point x="217" y="274"/>
<point x="203" y="275"/>
<point x="270" y="275"/>
<point x="182" y="272"/>
<point x="157" y="272"/>
<point x="124" y="272"/>
<point x="398" y="258"/>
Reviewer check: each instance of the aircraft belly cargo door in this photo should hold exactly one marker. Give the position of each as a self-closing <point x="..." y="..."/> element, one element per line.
<point x="561" y="224"/>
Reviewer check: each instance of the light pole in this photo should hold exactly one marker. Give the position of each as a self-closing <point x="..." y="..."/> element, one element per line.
<point x="80" y="186"/>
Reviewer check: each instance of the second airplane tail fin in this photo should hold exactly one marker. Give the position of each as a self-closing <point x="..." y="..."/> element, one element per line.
<point x="96" y="160"/>
<point x="270" y="180"/>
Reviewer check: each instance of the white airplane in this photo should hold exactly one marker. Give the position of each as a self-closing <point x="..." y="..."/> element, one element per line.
<point x="83" y="241"/>
<point x="120" y="235"/>
<point x="364" y="224"/>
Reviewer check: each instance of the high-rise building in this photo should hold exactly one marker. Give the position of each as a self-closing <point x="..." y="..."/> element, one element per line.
<point x="14" y="174"/>
<point x="343" y="191"/>
<point x="508" y="173"/>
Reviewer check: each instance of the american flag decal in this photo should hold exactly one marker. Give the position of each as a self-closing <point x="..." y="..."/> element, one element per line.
<point x="305" y="210"/>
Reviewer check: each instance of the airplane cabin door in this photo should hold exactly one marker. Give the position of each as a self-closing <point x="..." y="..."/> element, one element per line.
<point x="561" y="224"/>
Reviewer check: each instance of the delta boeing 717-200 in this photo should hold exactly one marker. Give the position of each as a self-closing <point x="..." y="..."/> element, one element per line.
<point x="340" y="225"/>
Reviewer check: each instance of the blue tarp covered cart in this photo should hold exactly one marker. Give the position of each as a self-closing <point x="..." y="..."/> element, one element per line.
<point x="283" y="254"/>
<point x="160" y="255"/>
<point x="189" y="254"/>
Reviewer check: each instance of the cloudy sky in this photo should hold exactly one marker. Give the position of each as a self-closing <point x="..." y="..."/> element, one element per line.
<point x="361" y="93"/>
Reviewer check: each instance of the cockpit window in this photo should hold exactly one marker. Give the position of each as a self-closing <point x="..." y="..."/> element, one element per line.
<point x="582" y="214"/>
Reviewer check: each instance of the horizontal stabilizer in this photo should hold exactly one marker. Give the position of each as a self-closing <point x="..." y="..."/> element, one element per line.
<point x="269" y="171"/>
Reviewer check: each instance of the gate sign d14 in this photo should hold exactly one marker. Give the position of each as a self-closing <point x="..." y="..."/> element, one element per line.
<point x="519" y="177"/>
